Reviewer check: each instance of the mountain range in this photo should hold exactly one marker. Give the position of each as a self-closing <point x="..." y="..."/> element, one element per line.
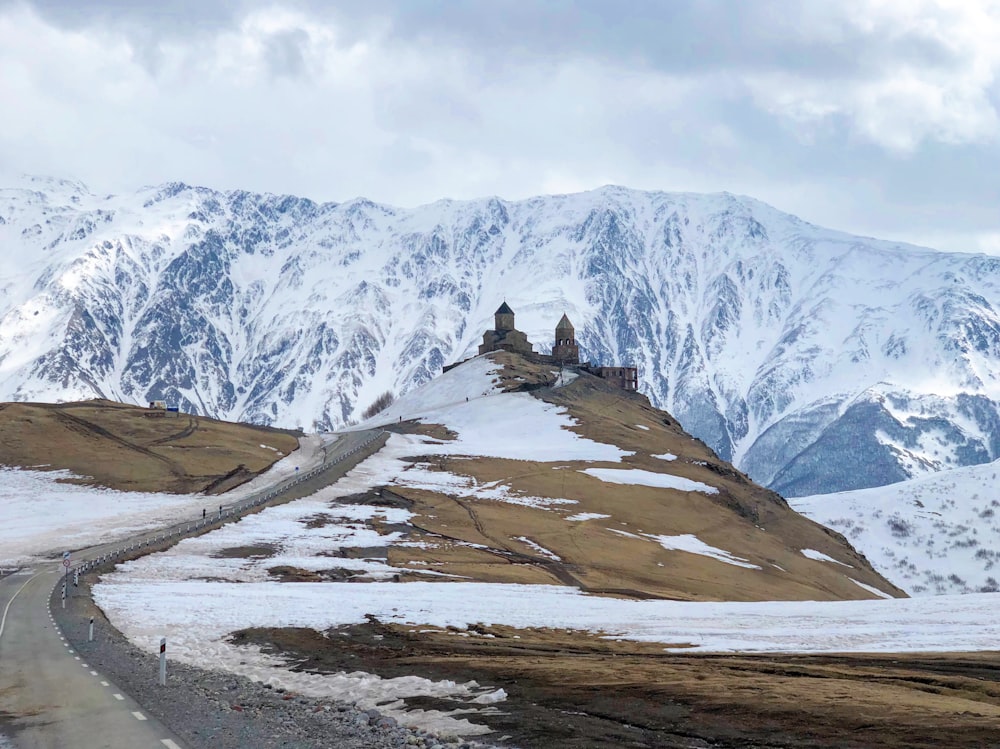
<point x="814" y="360"/>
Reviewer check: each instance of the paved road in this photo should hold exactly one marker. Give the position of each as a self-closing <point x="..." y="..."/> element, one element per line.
<point x="54" y="699"/>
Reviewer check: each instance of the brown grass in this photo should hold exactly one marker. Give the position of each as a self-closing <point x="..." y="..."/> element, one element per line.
<point x="122" y="447"/>
<point x="746" y="520"/>
<point x="574" y="689"/>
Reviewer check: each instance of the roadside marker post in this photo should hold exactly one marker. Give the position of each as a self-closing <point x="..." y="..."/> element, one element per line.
<point x="163" y="661"/>
<point x="90" y="636"/>
<point x="66" y="564"/>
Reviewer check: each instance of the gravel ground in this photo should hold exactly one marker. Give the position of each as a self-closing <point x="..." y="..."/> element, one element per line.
<point x="217" y="710"/>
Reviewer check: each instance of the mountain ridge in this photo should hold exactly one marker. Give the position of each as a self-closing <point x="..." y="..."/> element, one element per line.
<point x="814" y="360"/>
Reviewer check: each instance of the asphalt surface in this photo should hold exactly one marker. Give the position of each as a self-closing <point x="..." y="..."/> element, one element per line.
<point x="56" y="699"/>
<point x="50" y="698"/>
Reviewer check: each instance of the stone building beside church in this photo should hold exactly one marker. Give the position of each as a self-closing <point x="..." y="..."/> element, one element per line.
<point x="565" y="351"/>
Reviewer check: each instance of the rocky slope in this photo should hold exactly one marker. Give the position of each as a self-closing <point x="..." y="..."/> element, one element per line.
<point x="814" y="360"/>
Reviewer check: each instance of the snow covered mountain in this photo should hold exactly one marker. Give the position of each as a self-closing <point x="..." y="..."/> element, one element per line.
<point x="814" y="360"/>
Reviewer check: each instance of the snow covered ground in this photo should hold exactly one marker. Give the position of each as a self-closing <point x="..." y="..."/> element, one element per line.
<point x="932" y="535"/>
<point x="196" y="601"/>
<point x="42" y="516"/>
<point x="196" y="616"/>
<point x="188" y="596"/>
<point x="197" y="595"/>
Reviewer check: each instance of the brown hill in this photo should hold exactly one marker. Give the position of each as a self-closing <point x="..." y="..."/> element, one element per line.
<point x="623" y="553"/>
<point x="137" y="449"/>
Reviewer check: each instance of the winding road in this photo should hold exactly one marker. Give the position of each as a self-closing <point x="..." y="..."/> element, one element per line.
<point x="52" y="699"/>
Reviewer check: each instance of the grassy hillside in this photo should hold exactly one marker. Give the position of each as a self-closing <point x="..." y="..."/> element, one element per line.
<point x="137" y="449"/>
<point x="729" y="540"/>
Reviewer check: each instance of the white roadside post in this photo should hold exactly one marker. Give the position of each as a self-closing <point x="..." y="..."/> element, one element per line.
<point x="90" y="636"/>
<point x="163" y="661"/>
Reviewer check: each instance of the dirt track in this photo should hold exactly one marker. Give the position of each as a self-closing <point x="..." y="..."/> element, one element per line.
<point x="572" y="689"/>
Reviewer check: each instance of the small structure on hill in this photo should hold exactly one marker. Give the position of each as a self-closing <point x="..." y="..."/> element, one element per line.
<point x="565" y="351"/>
<point x="504" y="336"/>
<point x="627" y="378"/>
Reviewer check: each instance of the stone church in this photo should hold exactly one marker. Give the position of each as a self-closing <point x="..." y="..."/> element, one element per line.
<point x="505" y="337"/>
<point x="565" y="351"/>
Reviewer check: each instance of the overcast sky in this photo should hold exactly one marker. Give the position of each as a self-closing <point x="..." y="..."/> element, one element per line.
<point x="878" y="117"/>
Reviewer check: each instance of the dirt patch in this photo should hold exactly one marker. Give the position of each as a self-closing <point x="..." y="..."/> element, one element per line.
<point x="320" y="520"/>
<point x="287" y="574"/>
<point x="260" y="551"/>
<point x="434" y="431"/>
<point x="575" y="689"/>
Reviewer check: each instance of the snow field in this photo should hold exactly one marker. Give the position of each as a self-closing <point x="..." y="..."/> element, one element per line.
<point x="43" y="516"/>
<point x="929" y="536"/>
<point x="649" y="478"/>
<point x="196" y="616"/>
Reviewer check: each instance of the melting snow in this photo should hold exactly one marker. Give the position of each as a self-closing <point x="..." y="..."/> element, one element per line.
<point x="821" y="557"/>
<point x="197" y="616"/>
<point x="43" y="516"/>
<point x="588" y="516"/>
<point x="539" y="548"/>
<point x="649" y="478"/>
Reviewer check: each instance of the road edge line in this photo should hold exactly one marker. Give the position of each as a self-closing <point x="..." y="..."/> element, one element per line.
<point x="3" y="619"/>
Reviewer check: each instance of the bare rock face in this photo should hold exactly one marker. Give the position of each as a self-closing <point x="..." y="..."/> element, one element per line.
<point x="813" y="360"/>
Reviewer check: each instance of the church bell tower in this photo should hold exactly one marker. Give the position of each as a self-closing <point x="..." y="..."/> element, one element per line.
<point x="565" y="349"/>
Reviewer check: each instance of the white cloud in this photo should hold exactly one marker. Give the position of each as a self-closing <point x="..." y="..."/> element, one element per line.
<point x="938" y="87"/>
<point x="828" y="110"/>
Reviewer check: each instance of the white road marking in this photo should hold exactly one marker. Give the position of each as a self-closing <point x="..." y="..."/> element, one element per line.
<point x="105" y="684"/>
<point x="93" y="673"/>
<point x="169" y="744"/>
<point x="117" y="696"/>
<point x="85" y="665"/>
<point x="138" y="715"/>
<point x="76" y="657"/>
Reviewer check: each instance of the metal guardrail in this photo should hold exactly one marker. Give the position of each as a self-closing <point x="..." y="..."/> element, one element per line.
<point x="254" y="500"/>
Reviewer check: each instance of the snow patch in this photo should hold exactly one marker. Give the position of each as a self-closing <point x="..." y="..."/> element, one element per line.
<point x="819" y="556"/>
<point x="587" y="516"/>
<point x="639" y="477"/>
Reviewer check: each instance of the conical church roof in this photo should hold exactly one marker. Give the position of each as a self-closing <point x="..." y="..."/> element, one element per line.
<point x="564" y="323"/>
<point x="504" y="310"/>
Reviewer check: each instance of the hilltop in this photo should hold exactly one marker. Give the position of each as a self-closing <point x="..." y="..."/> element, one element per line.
<point x="534" y="479"/>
